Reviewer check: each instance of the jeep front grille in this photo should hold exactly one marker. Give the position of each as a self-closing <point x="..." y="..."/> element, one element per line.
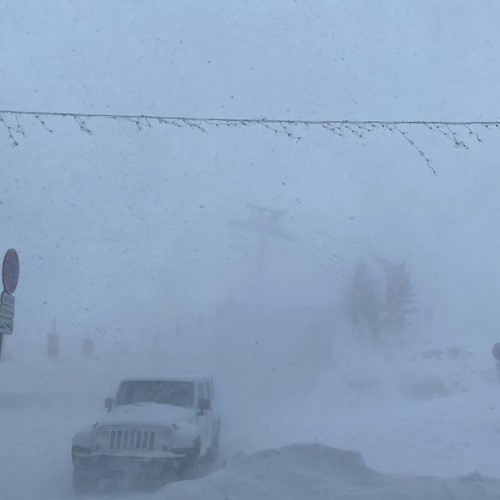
<point x="131" y="439"/>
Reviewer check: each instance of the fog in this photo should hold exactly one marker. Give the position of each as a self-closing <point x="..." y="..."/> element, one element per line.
<point x="232" y="250"/>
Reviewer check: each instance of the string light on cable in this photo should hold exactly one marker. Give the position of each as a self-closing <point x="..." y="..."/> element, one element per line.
<point x="11" y="121"/>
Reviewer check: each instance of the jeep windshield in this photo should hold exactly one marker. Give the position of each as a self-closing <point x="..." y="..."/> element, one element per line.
<point x="161" y="392"/>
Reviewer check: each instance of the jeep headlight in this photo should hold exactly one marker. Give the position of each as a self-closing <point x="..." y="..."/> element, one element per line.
<point x="165" y="439"/>
<point x="101" y="438"/>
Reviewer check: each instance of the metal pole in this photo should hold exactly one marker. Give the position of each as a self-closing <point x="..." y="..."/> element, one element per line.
<point x="1" y="338"/>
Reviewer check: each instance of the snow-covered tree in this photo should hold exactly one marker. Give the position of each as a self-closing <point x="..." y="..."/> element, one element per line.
<point x="400" y="303"/>
<point x="377" y="312"/>
<point x="363" y="304"/>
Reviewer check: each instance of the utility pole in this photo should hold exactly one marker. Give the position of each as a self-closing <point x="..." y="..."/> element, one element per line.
<point x="263" y="224"/>
<point x="53" y="342"/>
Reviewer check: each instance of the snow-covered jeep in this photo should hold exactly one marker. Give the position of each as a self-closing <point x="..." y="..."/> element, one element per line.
<point x="155" y="430"/>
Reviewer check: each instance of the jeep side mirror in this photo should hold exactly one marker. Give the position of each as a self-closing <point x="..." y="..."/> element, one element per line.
<point x="108" y="403"/>
<point x="204" y="404"/>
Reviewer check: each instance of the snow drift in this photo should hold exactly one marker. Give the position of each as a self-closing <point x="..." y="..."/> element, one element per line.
<point x="314" y="471"/>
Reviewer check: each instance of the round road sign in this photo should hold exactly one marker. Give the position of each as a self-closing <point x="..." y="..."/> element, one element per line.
<point x="10" y="271"/>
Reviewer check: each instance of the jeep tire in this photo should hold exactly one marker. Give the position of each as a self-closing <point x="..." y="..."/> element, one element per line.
<point x="214" y="452"/>
<point x="189" y="469"/>
<point x="84" y="480"/>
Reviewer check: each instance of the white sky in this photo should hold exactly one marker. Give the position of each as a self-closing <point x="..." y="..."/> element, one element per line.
<point x="126" y="230"/>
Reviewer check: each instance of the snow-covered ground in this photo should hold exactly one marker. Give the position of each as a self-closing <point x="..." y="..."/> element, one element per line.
<point x="425" y="410"/>
<point x="313" y="471"/>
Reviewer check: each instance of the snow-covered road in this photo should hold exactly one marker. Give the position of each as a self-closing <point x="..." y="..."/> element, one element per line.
<point x="42" y="404"/>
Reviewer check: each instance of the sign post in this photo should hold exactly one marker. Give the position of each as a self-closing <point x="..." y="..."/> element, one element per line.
<point x="10" y="278"/>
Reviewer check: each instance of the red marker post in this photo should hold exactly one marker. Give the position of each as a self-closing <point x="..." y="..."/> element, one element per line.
<point x="10" y="278"/>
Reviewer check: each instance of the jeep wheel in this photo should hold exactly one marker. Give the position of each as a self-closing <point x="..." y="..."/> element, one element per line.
<point x="189" y="470"/>
<point x="84" y="480"/>
<point x="214" y="450"/>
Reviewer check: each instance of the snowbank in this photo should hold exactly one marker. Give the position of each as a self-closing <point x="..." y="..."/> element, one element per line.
<point x="313" y="471"/>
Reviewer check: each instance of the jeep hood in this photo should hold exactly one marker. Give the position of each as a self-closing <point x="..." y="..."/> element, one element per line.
<point x="148" y="414"/>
